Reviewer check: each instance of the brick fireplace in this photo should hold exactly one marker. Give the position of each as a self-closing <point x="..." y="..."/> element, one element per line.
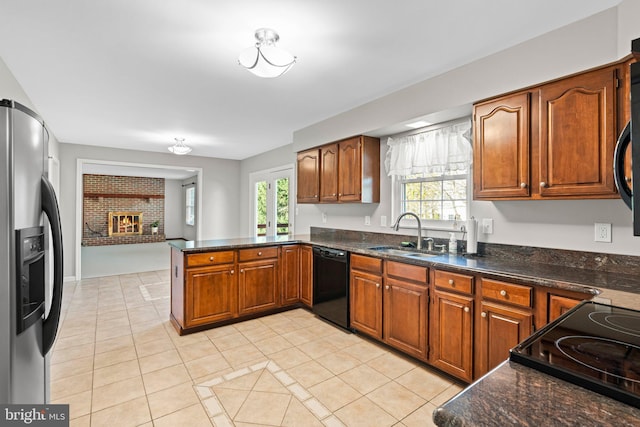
<point x="120" y="209"/>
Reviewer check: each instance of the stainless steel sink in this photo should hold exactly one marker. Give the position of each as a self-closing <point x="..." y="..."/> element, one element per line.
<point x="400" y="252"/>
<point x="419" y="255"/>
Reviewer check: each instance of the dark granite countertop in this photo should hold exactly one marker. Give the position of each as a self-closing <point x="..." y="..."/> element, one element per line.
<point x="514" y="395"/>
<point x="534" y="273"/>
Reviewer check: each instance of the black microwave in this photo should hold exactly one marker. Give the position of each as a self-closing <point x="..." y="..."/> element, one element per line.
<point x="629" y="186"/>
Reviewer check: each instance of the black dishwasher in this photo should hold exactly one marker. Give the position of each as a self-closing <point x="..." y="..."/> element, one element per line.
<point x="331" y="285"/>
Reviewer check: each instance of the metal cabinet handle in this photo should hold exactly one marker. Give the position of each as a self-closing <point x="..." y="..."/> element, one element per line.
<point x="483" y="314"/>
<point x="242" y="270"/>
<point x="503" y="293"/>
<point x="377" y="285"/>
<point x="333" y="194"/>
<point x="210" y="258"/>
<point x="259" y="253"/>
<point x="387" y="287"/>
<point x="627" y="178"/>
<point x="466" y="309"/>
<point x="451" y="281"/>
<point x="543" y="184"/>
<point x="523" y="185"/>
<point x="232" y="271"/>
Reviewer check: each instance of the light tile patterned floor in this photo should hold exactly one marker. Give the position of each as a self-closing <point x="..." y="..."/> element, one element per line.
<point x="119" y="362"/>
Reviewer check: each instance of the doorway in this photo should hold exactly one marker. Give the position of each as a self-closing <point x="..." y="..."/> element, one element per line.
<point x="105" y="167"/>
<point x="271" y="202"/>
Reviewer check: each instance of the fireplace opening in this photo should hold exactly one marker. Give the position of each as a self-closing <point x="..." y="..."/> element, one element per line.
<point x="125" y="223"/>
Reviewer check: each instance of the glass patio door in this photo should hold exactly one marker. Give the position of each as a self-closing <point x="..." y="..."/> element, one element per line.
<point x="272" y="205"/>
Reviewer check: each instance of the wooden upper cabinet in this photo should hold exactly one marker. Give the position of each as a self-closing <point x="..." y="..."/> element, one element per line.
<point x="501" y="147"/>
<point x="329" y="173"/>
<point x="348" y="171"/>
<point x="578" y="135"/>
<point x="350" y="176"/>
<point x="308" y="166"/>
<point x="554" y="140"/>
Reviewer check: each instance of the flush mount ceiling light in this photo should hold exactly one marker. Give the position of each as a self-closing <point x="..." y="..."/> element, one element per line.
<point x="265" y="59"/>
<point x="179" y="148"/>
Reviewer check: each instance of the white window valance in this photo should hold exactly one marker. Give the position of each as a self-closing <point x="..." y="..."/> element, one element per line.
<point x="440" y="150"/>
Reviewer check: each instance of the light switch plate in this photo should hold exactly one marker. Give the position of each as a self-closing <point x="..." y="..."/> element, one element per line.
<point x="487" y="225"/>
<point x="367" y="220"/>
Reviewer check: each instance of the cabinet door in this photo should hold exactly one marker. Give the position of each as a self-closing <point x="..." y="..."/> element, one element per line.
<point x="306" y="275"/>
<point x="290" y="267"/>
<point x="329" y="175"/>
<point x="501" y="328"/>
<point x="501" y="148"/>
<point x="258" y="286"/>
<point x="308" y="166"/>
<point x="211" y="295"/>
<point x="451" y="334"/>
<point x="559" y="305"/>
<point x="350" y="174"/>
<point x="366" y="303"/>
<point x="578" y="135"/>
<point x="405" y="316"/>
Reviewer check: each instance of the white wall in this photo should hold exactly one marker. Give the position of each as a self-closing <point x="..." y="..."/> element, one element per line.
<point x="597" y="40"/>
<point x="220" y="190"/>
<point x="173" y="211"/>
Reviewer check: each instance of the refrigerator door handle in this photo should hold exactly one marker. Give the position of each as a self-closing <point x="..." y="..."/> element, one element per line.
<point x="50" y="208"/>
<point x="618" y="165"/>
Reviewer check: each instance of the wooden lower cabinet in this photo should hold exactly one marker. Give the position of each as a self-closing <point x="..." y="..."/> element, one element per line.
<point x="306" y="275"/>
<point x="211" y="295"/>
<point x="501" y="328"/>
<point x="452" y="334"/>
<point x="290" y="269"/>
<point x="558" y="305"/>
<point x="366" y="303"/>
<point x="258" y="286"/>
<point x="406" y="306"/>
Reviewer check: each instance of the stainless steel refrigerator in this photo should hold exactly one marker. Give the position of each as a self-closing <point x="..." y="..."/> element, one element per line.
<point x="28" y="211"/>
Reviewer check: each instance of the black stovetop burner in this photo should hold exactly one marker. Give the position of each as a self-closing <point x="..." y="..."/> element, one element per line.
<point x="594" y="345"/>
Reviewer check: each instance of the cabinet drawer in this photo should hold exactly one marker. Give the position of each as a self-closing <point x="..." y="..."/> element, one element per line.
<point x="454" y="281"/>
<point x="258" y="253"/>
<point x="407" y="271"/>
<point x="210" y="258"/>
<point x="366" y="263"/>
<point x="507" y="292"/>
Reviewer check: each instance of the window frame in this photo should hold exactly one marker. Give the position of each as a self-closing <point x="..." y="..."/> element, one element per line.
<point x="188" y="206"/>
<point x="410" y="222"/>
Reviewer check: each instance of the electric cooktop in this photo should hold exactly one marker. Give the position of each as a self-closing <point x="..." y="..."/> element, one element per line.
<point x="593" y="345"/>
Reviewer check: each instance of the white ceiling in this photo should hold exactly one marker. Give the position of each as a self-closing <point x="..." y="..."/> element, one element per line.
<point x="136" y="74"/>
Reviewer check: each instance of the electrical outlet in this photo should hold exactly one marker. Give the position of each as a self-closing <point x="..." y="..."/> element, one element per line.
<point x="602" y="232"/>
<point x="324" y="217"/>
<point x="487" y="225"/>
<point x="367" y="220"/>
<point x="383" y="221"/>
